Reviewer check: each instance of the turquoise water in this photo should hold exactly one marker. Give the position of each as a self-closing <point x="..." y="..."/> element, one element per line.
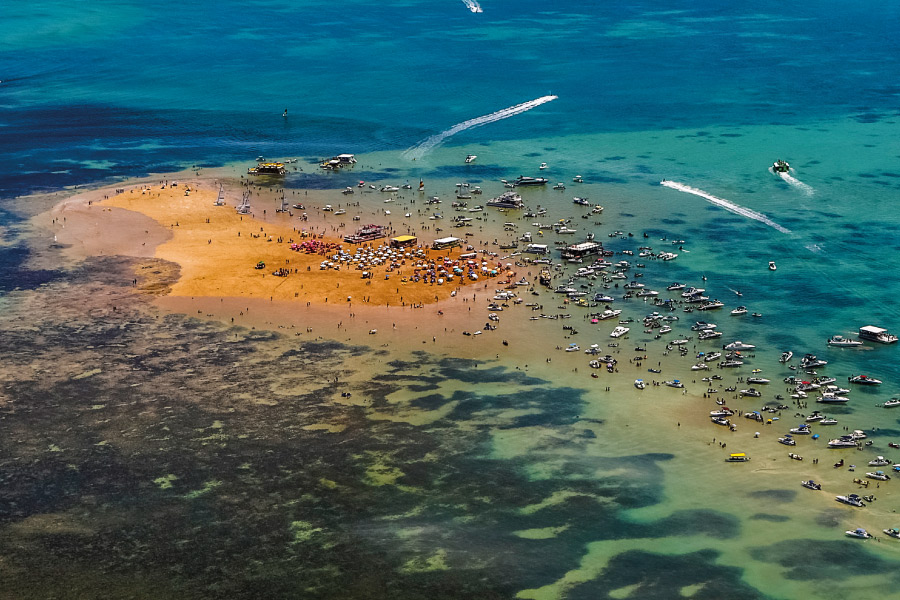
<point x="551" y="497"/>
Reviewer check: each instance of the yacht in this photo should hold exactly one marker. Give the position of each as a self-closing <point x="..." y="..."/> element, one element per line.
<point x="470" y="158"/>
<point x="639" y="384"/>
<point x="879" y="475"/>
<point x="740" y="310"/>
<point x="851" y="499"/>
<point x="738" y="345"/>
<point x="781" y="166"/>
<point x="864" y="380"/>
<point x="786" y="356"/>
<point x="812" y="485"/>
<point x="842" y="342"/>
<point x="523" y="180"/>
<point x="619" y="331"/>
<point x="859" y="532"/>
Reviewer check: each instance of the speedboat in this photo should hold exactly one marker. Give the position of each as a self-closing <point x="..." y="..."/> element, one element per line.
<point x="859" y="532"/>
<point x="845" y="441"/>
<point x="851" y="499"/>
<point x="543" y="166"/>
<point x="675" y="286"/>
<point x="786" y="356"/>
<point x="879" y="475"/>
<point x="842" y="342"/>
<point x="619" y="331"/>
<point x="639" y="384"/>
<point x="811" y="361"/>
<point x="740" y="310"/>
<point x="573" y="347"/>
<point x="675" y="383"/>
<point x="802" y="429"/>
<point x="864" y="380"/>
<point x="891" y="403"/>
<point x="772" y="266"/>
<point x="722" y="412"/>
<point x="523" y="180"/>
<point x="703" y="326"/>
<point x="559" y="186"/>
<point x="812" y="485"/>
<point x="739" y="346"/>
<point x="753" y="393"/>
<point x="787" y="440"/>
<point x="816" y="416"/>
<point x="470" y="158"/>
<point x="828" y="421"/>
<point x="781" y="166"/>
<point x="578" y="179"/>
<point x="607" y="314"/>
<point x="879" y="461"/>
<point x="700" y="367"/>
<point x="390" y="188"/>
<point x="894" y="532"/>
<point x="831" y="398"/>
<point x="760" y="380"/>
<point x="712" y="356"/>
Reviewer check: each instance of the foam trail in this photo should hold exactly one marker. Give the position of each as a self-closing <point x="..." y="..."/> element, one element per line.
<point x="473" y="5"/>
<point x="727" y="205"/>
<point x="420" y="149"/>
<point x="790" y="180"/>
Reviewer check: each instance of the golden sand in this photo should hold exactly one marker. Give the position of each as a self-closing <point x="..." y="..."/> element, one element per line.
<point x="218" y="249"/>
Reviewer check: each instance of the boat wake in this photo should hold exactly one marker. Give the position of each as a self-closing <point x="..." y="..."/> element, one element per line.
<point x="727" y="205"/>
<point x="420" y="149"/>
<point x="472" y="5"/>
<point x="793" y="181"/>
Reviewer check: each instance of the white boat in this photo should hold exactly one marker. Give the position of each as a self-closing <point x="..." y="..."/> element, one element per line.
<point x="879" y="461"/>
<point x="675" y="286"/>
<point x="845" y="441"/>
<point x="703" y="326"/>
<point x="894" y="532"/>
<point x="859" y="532"/>
<point x="876" y="334"/>
<point x="739" y="345"/>
<point x="700" y="367"/>
<point x="578" y="179"/>
<point x="543" y="166"/>
<point x="619" y="331"/>
<point x="758" y="380"/>
<point x="786" y="356"/>
<point x="740" y="310"/>
<point x="390" y="188"/>
<point x="573" y="347"/>
<point x="879" y="475"/>
<point x="470" y="158"/>
<point x="709" y="334"/>
<point x="891" y="403"/>
<point x="639" y="384"/>
<point x="712" y="356"/>
<point x="830" y="398"/>
<point x="787" y="440"/>
<point x="675" y="383"/>
<point x="772" y="266"/>
<point x="840" y="341"/>
<point x="864" y="380"/>
<point x="812" y="485"/>
<point x="811" y="361"/>
<point x="801" y="430"/>
<point x="851" y="499"/>
<point x="607" y="314"/>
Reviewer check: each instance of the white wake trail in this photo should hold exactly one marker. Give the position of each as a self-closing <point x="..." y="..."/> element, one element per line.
<point x="420" y="149"/>
<point x="790" y="180"/>
<point x="473" y="6"/>
<point x="727" y="205"/>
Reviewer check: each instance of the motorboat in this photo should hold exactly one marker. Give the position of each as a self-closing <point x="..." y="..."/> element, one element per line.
<point x="879" y="475"/>
<point x="830" y="398"/>
<point x="894" y="532"/>
<point x="845" y="441"/>
<point x="619" y="331"/>
<point x="727" y="364"/>
<point x="703" y="326"/>
<point x="607" y="314"/>
<point x="559" y="186"/>
<point x="390" y="188"/>
<point x="740" y="310"/>
<point x="787" y="440"/>
<point x="523" y="180"/>
<point x="721" y="421"/>
<point x="712" y="356"/>
<point x="811" y="361"/>
<point x="891" y="403"/>
<point x="840" y="341"/>
<point x="816" y="416"/>
<point x="711" y="305"/>
<point x="737" y="457"/>
<point x="580" y="201"/>
<point x="812" y="485"/>
<point x="675" y="383"/>
<point x="578" y="179"/>
<point x="879" y="461"/>
<point x="802" y="429"/>
<point x="781" y="166"/>
<point x="786" y="356"/>
<point x="752" y="393"/>
<point x="876" y="334"/>
<point x="543" y="166"/>
<point x="675" y="286"/>
<point x="692" y="291"/>
<point x="772" y="266"/>
<point x="721" y="412"/>
<point x="864" y="380"/>
<point x="851" y="499"/>
<point x="758" y="380"/>
<point x="828" y="421"/>
<point x="639" y="384"/>
<point x="859" y="532"/>
<point x="793" y="456"/>
<point x="700" y="367"/>
<point x="738" y="345"/>
<point x="471" y="158"/>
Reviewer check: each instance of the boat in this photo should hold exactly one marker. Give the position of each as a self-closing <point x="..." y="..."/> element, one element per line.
<point x="580" y="201"/>
<point x="828" y="421"/>
<point x="559" y="186"/>
<point x="864" y="380"/>
<point x="738" y="345"/>
<point x="787" y="440"/>
<point x="812" y="485"/>
<point x="639" y="384"/>
<point x="578" y="179"/>
<point x="811" y="361"/>
<point x="781" y="166"/>
<point x="573" y="347"/>
<point x="737" y="457"/>
<point x="772" y="266"/>
<point x="845" y="441"/>
<point x="712" y="356"/>
<point x="703" y="326"/>
<point x="786" y="356"/>
<point x="268" y="168"/>
<point x="851" y="499"/>
<point x="470" y="158"/>
<point x="740" y="310"/>
<point x="859" y="532"/>
<point x="879" y="461"/>
<point x="840" y="341"/>
<point x="675" y="383"/>
<point x="891" y="403"/>
<point x="505" y="200"/>
<point x="876" y="334"/>
<point x="831" y="398"/>
<point x="751" y="392"/>
<point x="390" y="188"/>
<point x="879" y="475"/>
<point x="894" y="532"/>
<point x="523" y="180"/>
<point x="722" y="412"/>
<point x="758" y="380"/>
<point x="619" y="331"/>
<point x="712" y="305"/>
<point x="607" y="314"/>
